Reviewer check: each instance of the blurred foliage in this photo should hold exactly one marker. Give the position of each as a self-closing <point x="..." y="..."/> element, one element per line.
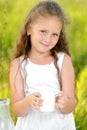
<point x="81" y="109"/>
<point x="12" y="15"/>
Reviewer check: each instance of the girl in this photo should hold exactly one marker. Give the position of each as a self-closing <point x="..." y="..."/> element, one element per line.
<point x="42" y="58"/>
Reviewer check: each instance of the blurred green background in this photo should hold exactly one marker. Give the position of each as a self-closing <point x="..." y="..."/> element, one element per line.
<point x="12" y="15"/>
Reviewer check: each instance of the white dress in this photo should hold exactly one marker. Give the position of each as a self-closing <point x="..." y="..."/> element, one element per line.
<point x="36" y="77"/>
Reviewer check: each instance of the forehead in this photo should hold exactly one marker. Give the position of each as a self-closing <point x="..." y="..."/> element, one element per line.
<point x="49" y="21"/>
<point x="46" y="18"/>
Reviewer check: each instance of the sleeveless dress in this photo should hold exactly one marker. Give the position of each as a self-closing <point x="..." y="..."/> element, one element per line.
<point x="36" y="77"/>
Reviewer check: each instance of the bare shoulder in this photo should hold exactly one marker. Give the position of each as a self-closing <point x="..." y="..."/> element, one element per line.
<point x="67" y="59"/>
<point x="15" y="64"/>
<point x="68" y="64"/>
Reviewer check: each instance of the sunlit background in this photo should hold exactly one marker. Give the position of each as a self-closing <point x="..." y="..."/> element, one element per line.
<point x="12" y="15"/>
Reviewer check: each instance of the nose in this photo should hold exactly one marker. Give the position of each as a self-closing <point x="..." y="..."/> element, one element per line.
<point x="47" y="38"/>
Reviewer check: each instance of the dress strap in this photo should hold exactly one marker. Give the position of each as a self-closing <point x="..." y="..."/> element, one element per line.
<point x="60" y="60"/>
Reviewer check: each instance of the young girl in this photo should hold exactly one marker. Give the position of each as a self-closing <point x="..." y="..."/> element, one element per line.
<point x="42" y="59"/>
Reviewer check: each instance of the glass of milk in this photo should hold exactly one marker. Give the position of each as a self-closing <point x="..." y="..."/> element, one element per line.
<point x="49" y="96"/>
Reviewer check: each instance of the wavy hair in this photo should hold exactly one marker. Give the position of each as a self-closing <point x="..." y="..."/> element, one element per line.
<point x="44" y="9"/>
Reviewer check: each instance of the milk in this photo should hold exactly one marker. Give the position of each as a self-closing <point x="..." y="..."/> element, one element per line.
<point x="47" y="94"/>
<point x="48" y="97"/>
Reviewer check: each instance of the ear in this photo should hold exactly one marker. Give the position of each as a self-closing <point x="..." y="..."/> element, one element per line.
<point x="28" y="30"/>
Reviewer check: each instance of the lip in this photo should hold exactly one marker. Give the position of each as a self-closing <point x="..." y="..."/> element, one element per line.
<point x="45" y="44"/>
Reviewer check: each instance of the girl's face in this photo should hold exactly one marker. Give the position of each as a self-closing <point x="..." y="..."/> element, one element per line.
<point x="44" y="33"/>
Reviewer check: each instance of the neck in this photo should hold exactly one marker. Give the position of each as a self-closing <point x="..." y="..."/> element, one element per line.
<point x="38" y="55"/>
<point x="41" y="58"/>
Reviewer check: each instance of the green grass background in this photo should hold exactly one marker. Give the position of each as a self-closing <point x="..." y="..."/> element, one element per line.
<point x="12" y="15"/>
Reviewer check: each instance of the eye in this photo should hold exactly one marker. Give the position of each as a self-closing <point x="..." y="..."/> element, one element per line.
<point x="43" y="31"/>
<point x="55" y="34"/>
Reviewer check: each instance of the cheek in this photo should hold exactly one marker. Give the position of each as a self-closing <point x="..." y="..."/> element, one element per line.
<point x="55" y="40"/>
<point x="39" y="35"/>
<point x="36" y="37"/>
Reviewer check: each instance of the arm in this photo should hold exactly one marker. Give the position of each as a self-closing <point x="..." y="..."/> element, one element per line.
<point x="66" y="99"/>
<point x="20" y="103"/>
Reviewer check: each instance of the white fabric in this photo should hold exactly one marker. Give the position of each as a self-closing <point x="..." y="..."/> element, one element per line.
<point x="36" y="77"/>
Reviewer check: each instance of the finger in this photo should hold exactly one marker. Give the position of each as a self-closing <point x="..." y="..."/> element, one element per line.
<point x="59" y="106"/>
<point x="61" y="102"/>
<point x="37" y="94"/>
<point x="40" y="103"/>
<point x="56" y="105"/>
<point x="35" y="105"/>
<point x="60" y="94"/>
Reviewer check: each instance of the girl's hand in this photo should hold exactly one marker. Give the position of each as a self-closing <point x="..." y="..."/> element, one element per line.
<point x="64" y="103"/>
<point x="35" y="100"/>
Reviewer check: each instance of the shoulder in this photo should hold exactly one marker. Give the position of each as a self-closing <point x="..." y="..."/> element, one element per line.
<point x="63" y="60"/>
<point x="60" y="54"/>
<point x="15" y="66"/>
<point x="67" y="59"/>
<point x="15" y="62"/>
<point x="64" y="56"/>
<point x="67" y="64"/>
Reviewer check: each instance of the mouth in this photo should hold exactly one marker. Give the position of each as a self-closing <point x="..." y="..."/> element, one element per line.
<point x="45" y="44"/>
